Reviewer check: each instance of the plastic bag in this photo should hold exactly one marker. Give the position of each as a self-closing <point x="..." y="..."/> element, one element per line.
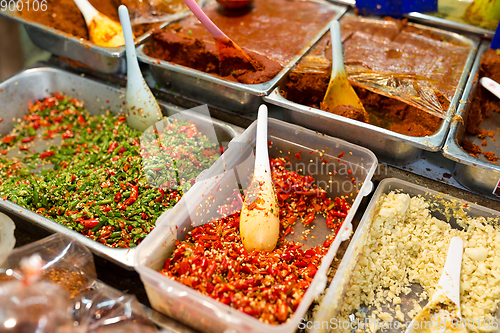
<point x="106" y="310"/>
<point x="416" y="90"/>
<point x="31" y="305"/>
<point x="155" y="11"/>
<point x="56" y="291"/>
<point x="65" y="262"/>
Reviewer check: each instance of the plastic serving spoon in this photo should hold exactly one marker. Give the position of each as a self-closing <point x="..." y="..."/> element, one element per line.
<point x="142" y="109"/>
<point x="103" y="31"/>
<point x="340" y="91"/>
<point x="491" y="85"/>
<point x="231" y="56"/>
<point x="259" y="220"/>
<point x="442" y="313"/>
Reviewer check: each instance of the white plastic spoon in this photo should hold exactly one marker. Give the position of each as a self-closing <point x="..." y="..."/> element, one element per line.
<point x="259" y="220"/>
<point x="442" y="313"/>
<point x="142" y="109"/>
<point x="103" y="31"/>
<point x="491" y="85"/>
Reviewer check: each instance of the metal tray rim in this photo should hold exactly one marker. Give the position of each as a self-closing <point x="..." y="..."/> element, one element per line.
<point x="124" y="256"/>
<point x="449" y="24"/>
<point x="451" y="149"/>
<point x="260" y="89"/>
<point x="433" y="142"/>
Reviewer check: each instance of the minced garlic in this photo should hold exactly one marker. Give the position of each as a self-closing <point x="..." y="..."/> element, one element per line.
<point x="407" y="245"/>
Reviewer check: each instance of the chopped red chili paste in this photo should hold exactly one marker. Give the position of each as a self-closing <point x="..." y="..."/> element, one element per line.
<point x="262" y="284"/>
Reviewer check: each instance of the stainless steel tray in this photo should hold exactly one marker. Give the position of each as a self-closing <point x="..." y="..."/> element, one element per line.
<point x="389" y="146"/>
<point x="102" y="59"/>
<point x="475" y="173"/>
<point x="441" y="203"/>
<point x="449" y="24"/>
<point x="437" y="21"/>
<point x="216" y="91"/>
<point x="38" y="83"/>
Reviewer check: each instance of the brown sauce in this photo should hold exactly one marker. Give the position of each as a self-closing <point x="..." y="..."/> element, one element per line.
<point x="387" y="45"/>
<point x="271" y="31"/>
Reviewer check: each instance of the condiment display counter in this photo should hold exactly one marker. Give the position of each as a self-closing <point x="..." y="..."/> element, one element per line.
<point x="401" y="170"/>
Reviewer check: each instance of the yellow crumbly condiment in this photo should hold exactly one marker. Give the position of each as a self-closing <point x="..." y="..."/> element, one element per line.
<point x="407" y="245"/>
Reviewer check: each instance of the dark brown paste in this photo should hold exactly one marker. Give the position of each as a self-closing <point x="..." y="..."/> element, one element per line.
<point x="347" y="111"/>
<point x="203" y="56"/>
<point x="483" y="104"/>
<point x="270" y="31"/>
<point x="387" y="45"/>
<point x="483" y="101"/>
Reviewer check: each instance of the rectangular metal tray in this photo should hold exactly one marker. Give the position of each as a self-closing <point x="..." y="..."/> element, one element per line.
<point x="208" y="315"/>
<point x="437" y="21"/>
<point x="101" y="59"/>
<point x="332" y="301"/>
<point x="389" y="146"/>
<point x="37" y="83"/>
<point x="216" y="91"/>
<point x="475" y="173"/>
<point x="450" y="25"/>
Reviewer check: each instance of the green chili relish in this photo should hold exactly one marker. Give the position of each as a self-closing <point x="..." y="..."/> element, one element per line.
<point x="98" y="185"/>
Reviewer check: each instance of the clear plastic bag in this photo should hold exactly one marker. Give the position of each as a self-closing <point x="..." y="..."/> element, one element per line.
<point x="106" y="310"/>
<point x="31" y="305"/>
<point x="57" y="291"/>
<point x="65" y="262"/>
<point x="416" y="90"/>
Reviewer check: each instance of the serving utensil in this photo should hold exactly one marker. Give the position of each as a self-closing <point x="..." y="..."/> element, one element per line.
<point x="339" y="91"/>
<point x="491" y="85"/>
<point x="231" y="56"/>
<point x="442" y="313"/>
<point x="259" y="219"/>
<point x="142" y="109"/>
<point x="103" y="31"/>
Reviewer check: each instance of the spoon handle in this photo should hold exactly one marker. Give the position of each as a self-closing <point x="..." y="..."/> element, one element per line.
<point x="132" y="64"/>
<point x="262" y="155"/>
<point x="449" y="283"/>
<point x="205" y="20"/>
<point x="88" y="11"/>
<point x="491" y="85"/>
<point x="337" y="53"/>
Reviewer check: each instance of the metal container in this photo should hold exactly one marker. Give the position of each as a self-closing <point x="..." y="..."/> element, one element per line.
<point x="216" y="91"/>
<point x="450" y="25"/>
<point x="37" y="83"/>
<point x="474" y="173"/>
<point x="389" y="146"/>
<point x="101" y="59"/>
<point x="439" y="22"/>
<point x="205" y="314"/>
<point x="439" y="204"/>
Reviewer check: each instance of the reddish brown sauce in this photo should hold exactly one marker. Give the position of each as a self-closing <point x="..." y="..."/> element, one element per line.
<point x="387" y="45"/>
<point x="194" y="53"/>
<point x="483" y="104"/>
<point x="276" y="30"/>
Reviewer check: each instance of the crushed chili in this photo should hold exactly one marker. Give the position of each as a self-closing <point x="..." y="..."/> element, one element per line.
<point x="99" y="184"/>
<point x="262" y="284"/>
